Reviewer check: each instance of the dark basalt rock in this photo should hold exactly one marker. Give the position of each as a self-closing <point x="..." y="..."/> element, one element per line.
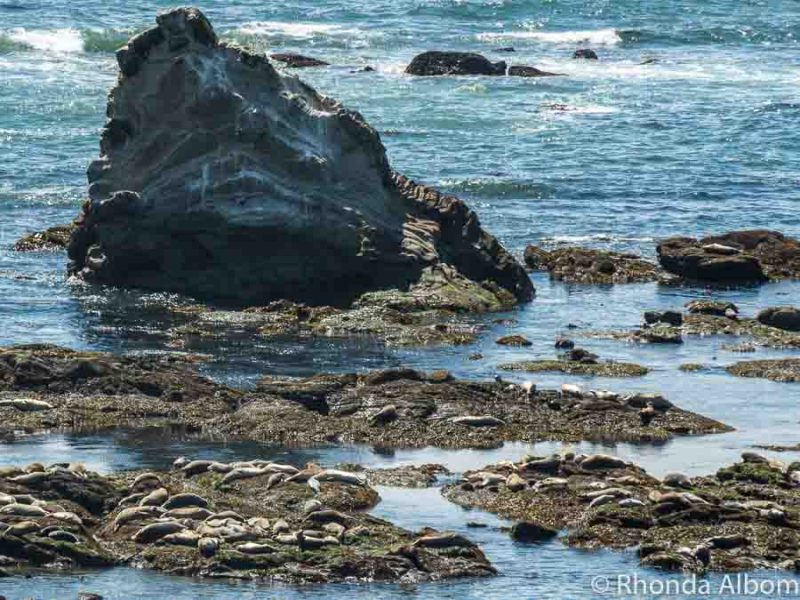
<point x="780" y="317"/>
<point x="585" y="53"/>
<point x="528" y="531"/>
<point x="668" y="317"/>
<point x="435" y="63"/>
<point x="222" y="179"/>
<point x="298" y="61"/>
<point x="752" y="256"/>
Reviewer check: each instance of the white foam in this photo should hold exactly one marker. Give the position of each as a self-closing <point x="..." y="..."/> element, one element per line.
<point x="293" y="30"/>
<point x="597" y="36"/>
<point x="58" y="41"/>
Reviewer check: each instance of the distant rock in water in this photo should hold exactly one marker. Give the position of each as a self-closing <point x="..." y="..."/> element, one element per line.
<point x="222" y="179"/>
<point x="54" y="238"/>
<point x="298" y="61"/>
<point x="585" y="53"/>
<point x="737" y="257"/>
<point x="585" y="265"/>
<point x="435" y="63"/>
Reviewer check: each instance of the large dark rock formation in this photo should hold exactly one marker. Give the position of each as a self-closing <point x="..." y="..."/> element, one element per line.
<point x="435" y="62"/>
<point x="735" y="257"/>
<point x="220" y="178"/>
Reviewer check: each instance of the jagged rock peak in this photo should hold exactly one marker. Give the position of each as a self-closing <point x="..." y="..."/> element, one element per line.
<point x="221" y="178"/>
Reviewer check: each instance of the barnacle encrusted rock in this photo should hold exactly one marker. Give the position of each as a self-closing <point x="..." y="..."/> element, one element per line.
<point x="223" y="179"/>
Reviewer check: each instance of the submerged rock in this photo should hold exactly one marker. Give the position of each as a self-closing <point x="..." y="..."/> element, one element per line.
<point x="741" y="518"/>
<point x="584" y="265"/>
<point x="573" y="367"/>
<point x="425" y="409"/>
<point x="222" y="179"/>
<point x="435" y="63"/>
<point x="751" y="256"/>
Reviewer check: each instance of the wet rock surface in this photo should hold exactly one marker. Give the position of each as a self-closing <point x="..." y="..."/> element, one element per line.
<point x="743" y="517"/>
<point x="751" y="256"/>
<point x="222" y="179"/>
<point x="780" y="317"/>
<point x="437" y="310"/>
<point x="605" y="368"/>
<point x="584" y="265"/>
<point x="707" y="318"/>
<point x="49" y="388"/>
<point x="254" y="520"/>
<point x="298" y="61"/>
<point x="786" y="370"/>
<point x="436" y="63"/>
<point x="53" y="238"/>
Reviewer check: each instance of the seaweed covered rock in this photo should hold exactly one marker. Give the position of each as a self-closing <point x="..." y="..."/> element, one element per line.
<point x="222" y="179"/>
<point x="50" y="388"/>
<point x="584" y="265"/>
<point x="743" y="517"/>
<point x="246" y="520"/>
<point x="435" y="63"/>
<point x="750" y="256"/>
<point x="53" y="238"/>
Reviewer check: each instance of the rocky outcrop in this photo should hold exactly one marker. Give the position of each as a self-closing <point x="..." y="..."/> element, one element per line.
<point x="223" y="179"/>
<point x="435" y="63"/>
<point x="743" y="517"/>
<point x="298" y="61"/>
<point x="784" y="370"/>
<point x="585" y="53"/>
<point x="585" y="265"/>
<point x="53" y="238"/>
<point x="253" y="520"/>
<point x="738" y="257"/>
<point x="50" y="388"/>
<point x="780" y="317"/>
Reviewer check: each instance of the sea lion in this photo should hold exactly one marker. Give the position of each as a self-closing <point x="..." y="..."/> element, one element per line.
<point x="135" y="513"/>
<point x="31" y="479"/>
<point x="146" y="479"/>
<point x="242" y="473"/>
<point x="63" y="536"/>
<point x="26" y="404"/>
<point x="23" y="528"/>
<point x="23" y="510"/>
<point x="208" y="546"/>
<point x="184" y="500"/>
<point x="155" y="498"/>
<point x="253" y="548"/>
<point x="194" y="513"/>
<point x="155" y="531"/>
<point x="181" y="538"/>
<point x="196" y="467"/>
<point x="478" y="421"/>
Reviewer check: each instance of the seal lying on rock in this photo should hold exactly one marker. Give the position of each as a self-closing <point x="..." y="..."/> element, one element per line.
<point x="751" y="256"/>
<point x="744" y="517"/>
<point x="291" y="180"/>
<point x="244" y="544"/>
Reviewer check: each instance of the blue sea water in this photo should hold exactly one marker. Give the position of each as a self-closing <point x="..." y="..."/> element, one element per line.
<point x="702" y="138"/>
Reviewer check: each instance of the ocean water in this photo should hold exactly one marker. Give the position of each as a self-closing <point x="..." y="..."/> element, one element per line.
<point x="703" y="138"/>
